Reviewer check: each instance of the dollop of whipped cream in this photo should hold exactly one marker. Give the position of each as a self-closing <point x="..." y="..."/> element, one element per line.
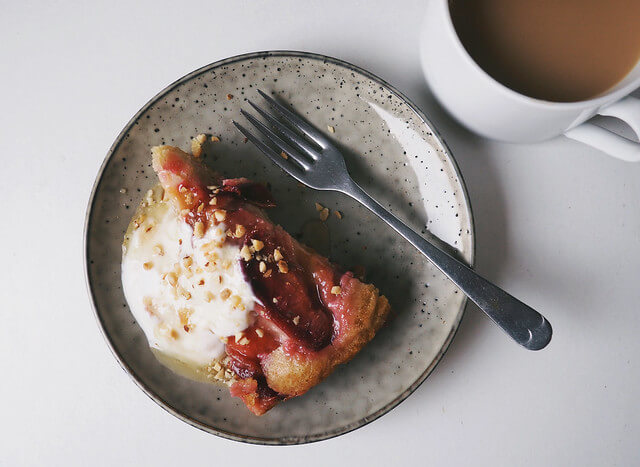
<point x="187" y="294"/>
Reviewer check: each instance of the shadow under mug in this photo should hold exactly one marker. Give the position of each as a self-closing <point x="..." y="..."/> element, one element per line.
<point x="491" y="109"/>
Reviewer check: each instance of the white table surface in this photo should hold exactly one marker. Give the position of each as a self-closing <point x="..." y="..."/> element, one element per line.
<point x="557" y="223"/>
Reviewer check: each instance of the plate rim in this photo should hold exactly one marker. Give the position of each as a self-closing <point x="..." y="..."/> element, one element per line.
<point x="290" y="440"/>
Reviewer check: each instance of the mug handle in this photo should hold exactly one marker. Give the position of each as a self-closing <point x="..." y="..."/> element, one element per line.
<point x="627" y="110"/>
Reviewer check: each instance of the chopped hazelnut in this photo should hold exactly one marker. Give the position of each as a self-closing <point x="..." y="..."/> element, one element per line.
<point x="225" y="294"/>
<point x="148" y="265"/>
<point x="283" y="267"/>
<point x="324" y="214"/>
<point x="243" y="341"/>
<point x="319" y="207"/>
<point x="213" y="201"/>
<point x="284" y="155"/>
<point x="235" y="300"/>
<point x="200" y="207"/>
<point x="263" y="266"/>
<point x="187" y="261"/>
<point x="277" y="256"/>
<point x="245" y="253"/>
<point x="220" y="215"/>
<point x="184" y="314"/>
<point x="275" y="300"/>
<point x="259" y="332"/>
<point x="196" y="144"/>
<point x="336" y="290"/>
<point x="257" y="244"/>
<point x="148" y="305"/>
<point x="240" y="231"/>
<point x="172" y="278"/>
<point x="296" y="320"/>
<point x="198" y="229"/>
<point x="268" y="273"/>
<point x="215" y="139"/>
<point x="331" y="129"/>
<point x="138" y="222"/>
<point x="338" y="214"/>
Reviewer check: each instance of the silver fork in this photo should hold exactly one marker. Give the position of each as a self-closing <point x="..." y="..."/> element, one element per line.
<point x="313" y="160"/>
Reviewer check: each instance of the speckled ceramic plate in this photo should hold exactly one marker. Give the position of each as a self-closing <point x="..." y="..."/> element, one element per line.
<point x="392" y="151"/>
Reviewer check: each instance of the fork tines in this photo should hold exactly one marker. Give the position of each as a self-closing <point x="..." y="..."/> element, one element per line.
<point x="296" y="140"/>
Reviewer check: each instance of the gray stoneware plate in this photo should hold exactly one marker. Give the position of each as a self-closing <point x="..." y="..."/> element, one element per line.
<point x="392" y="150"/>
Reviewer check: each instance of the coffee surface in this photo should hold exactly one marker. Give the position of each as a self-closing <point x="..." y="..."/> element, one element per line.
<point x="555" y="50"/>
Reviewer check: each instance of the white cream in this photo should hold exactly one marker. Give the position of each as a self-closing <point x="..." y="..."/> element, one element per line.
<point x="151" y="257"/>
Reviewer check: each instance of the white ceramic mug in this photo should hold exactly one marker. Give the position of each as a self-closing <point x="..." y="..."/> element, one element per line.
<point x="491" y="109"/>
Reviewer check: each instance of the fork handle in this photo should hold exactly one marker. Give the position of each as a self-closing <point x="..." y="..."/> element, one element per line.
<point x="525" y="325"/>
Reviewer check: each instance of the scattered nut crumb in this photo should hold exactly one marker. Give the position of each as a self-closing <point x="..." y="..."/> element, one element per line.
<point x="213" y="201"/>
<point x="319" y="207"/>
<point x="215" y="139"/>
<point x="243" y="341"/>
<point x="338" y="214"/>
<point x="220" y="215"/>
<point x="186" y="294"/>
<point x="262" y="266"/>
<point x="259" y="332"/>
<point x="229" y="97"/>
<point x="336" y="290"/>
<point x="158" y="250"/>
<point x="123" y="190"/>
<point x="324" y="214"/>
<point x="283" y="267"/>
<point x="296" y="320"/>
<point x="225" y="294"/>
<point x="200" y="207"/>
<point x="331" y="129"/>
<point x="245" y="139"/>
<point x="148" y="265"/>
<point x="275" y="300"/>
<point x="208" y="296"/>
<point x="267" y="274"/>
<point x="284" y="155"/>
<point x="187" y="261"/>
<point x="240" y="231"/>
